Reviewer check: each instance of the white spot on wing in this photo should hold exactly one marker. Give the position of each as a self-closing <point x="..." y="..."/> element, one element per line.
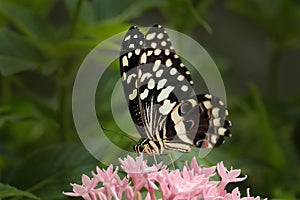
<point x="130" y="77"/>
<point x="137" y="51"/>
<point x="151" y="84"/>
<point x="221" y="103"/>
<point x="149" y="53"/>
<point x="144" y="94"/>
<point x="164" y="93"/>
<point x="217" y="122"/>
<point x="150" y="36"/>
<point x="168" y="62"/>
<point x="166" y="107"/>
<point x="133" y="94"/>
<point x="153" y="45"/>
<point x="159" y="73"/>
<point x="213" y="139"/>
<point x="173" y="71"/>
<point x="208" y="96"/>
<point x="160" y="36"/>
<point x="167" y="52"/>
<point x="184" y="88"/>
<point x="129" y="54"/>
<point x="157" y="52"/>
<point x="125" y="61"/>
<point x="163" y="43"/>
<point x="207" y="104"/>
<point x="131" y="46"/>
<point x="124" y="76"/>
<point x="156" y="65"/>
<point x="221" y="131"/>
<point x="180" y="77"/>
<point x="143" y="58"/>
<point x="127" y="38"/>
<point x="215" y="112"/>
<point x="161" y="83"/>
<point x="145" y="75"/>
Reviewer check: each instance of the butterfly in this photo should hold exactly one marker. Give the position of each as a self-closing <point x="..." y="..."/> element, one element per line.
<point x="161" y="100"/>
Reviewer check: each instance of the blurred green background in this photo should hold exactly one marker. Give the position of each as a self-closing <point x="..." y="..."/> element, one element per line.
<point x="255" y="44"/>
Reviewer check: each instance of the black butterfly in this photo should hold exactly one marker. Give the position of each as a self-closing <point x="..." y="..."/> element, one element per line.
<point x="161" y="100"/>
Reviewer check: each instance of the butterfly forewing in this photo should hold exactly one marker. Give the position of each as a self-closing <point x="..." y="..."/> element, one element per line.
<point x="153" y="77"/>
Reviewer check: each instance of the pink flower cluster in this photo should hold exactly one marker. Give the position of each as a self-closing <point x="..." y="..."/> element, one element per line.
<point x="193" y="182"/>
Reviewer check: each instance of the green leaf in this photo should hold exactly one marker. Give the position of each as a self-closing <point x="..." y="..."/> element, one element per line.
<point x="9" y="65"/>
<point x="7" y="191"/>
<point x="49" y="171"/>
<point x="105" y="10"/>
<point x="16" y="53"/>
<point x="269" y="143"/>
<point x="41" y="7"/>
<point x="86" y="12"/>
<point x="26" y="20"/>
<point x="280" y="19"/>
<point x="194" y="13"/>
<point x="15" y="45"/>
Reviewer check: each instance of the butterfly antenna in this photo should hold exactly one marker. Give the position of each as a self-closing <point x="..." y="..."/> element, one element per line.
<point x="118" y="132"/>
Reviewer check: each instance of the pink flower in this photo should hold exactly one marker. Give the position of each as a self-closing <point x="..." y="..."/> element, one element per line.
<point x="228" y="176"/>
<point x="193" y="182"/>
<point x="208" y="172"/>
<point x="180" y="184"/>
<point x="112" y="184"/>
<point x="138" y="166"/>
<point x="84" y="189"/>
<point x="138" y="171"/>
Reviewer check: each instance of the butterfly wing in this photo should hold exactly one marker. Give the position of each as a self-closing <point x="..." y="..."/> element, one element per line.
<point x="161" y="100"/>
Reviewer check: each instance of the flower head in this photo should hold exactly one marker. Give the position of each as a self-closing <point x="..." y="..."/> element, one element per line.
<point x="193" y="182"/>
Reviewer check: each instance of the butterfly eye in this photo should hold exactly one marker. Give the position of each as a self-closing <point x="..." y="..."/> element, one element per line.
<point x="184" y="108"/>
<point x="141" y="148"/>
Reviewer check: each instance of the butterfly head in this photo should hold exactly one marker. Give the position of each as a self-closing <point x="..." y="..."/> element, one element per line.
<point x="147" y="146"/>
<point x="142" y="148"/>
